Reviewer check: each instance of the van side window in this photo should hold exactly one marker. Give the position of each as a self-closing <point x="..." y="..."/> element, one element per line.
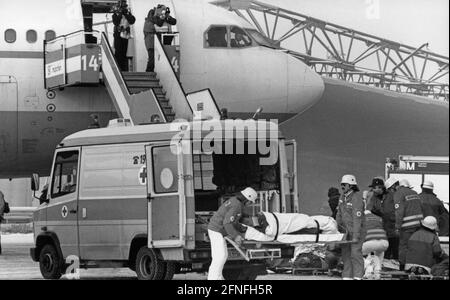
<point x="217" y="37"/>
<point x="165" y="170"/>
<point x="65" y="173"/>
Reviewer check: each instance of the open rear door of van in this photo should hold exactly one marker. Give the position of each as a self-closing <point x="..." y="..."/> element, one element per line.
<point x="166" y="197"/>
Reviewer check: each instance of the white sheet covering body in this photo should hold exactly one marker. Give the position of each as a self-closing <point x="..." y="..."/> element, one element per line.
<point x="289" y="223"/>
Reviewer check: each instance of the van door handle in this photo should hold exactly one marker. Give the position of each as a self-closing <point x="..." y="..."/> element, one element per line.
<point x="73" y="211"/>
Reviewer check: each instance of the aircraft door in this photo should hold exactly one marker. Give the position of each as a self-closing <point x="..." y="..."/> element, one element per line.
<point x="8" y="122"/>
<point x="166" y="196"/>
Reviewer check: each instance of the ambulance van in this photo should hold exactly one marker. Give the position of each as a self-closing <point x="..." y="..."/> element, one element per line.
<point x="140" y="197"/>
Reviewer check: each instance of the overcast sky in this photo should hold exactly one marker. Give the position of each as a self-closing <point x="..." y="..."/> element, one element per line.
<point x="412" y="22"/>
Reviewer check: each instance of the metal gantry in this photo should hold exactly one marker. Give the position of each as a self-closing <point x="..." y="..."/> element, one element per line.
<point x="343" y="53"/>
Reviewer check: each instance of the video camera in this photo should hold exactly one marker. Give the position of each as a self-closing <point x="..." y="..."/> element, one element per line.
<point x="120" y="7"/>
<point x="162" y="10"/>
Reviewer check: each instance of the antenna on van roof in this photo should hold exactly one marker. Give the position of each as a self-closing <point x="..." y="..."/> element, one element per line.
<point x="260" y="110"/>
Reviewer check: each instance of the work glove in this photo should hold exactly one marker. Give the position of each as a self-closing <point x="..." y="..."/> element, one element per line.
<point x="239" y="240"/>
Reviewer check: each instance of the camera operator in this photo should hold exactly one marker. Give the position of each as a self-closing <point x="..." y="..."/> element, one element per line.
<point x="156" y="17"/>
<point x="122" y="19"/>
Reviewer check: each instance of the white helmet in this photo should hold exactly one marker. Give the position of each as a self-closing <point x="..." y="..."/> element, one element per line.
<point x="428" y="185"/>
<point x="390" y="182"/>
<point x="405" y="183"/>
<point x="250" y="194"/>
<point x="349" y="179"/>
<point x="430" y="223"/>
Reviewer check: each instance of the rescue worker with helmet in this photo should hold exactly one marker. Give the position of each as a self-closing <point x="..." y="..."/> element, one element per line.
<point x="391" y="186"/>
<point x="424" y="248"/>
<point x="225" y="222"/>
<point x="408" y="214"/>
<point x="432" y="206"/>
<point x="350" y="219"/>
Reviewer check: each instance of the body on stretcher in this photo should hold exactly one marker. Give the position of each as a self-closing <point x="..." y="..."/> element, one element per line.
<point x="287" y="229"/>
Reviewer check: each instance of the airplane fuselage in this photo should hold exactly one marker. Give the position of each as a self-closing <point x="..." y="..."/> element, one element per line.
<point x="33" y="121"/>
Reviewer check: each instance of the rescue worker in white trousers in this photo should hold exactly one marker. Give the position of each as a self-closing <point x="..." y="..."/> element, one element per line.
<point x="350" y="219"/>
<point x="225" y="222"/>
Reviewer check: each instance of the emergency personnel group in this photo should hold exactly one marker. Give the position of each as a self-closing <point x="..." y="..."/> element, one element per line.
<point x="390" y="221"/>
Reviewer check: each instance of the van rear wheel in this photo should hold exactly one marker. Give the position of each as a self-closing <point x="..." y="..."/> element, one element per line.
<point x="148" y="265"/>
<point x="170" y="270"/>
<point x="50" y="263"/>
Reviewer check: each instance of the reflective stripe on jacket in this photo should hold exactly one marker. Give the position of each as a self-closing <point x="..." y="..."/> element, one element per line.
<point x="408" y="209"/>
<point x="350" y="216"/>
<point x="374" y="228"/>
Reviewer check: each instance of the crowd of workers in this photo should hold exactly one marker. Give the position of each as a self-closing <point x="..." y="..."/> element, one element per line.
<point x="389" y="221"/>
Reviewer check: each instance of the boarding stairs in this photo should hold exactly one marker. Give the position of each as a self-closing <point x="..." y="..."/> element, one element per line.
<point x="86" y="59"/>
<point x="139" y="82"/>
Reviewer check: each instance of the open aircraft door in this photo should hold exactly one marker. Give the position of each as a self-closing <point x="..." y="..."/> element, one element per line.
<point x="166" y="196"/>
<point x="290" y="185"/>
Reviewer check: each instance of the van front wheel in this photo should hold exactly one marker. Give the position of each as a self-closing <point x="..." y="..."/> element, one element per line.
<point x="50" y="263"/>
<point x="148" y="265"/>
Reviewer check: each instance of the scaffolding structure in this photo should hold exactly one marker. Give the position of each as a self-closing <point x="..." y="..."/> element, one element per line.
<point x="347" y="54"/>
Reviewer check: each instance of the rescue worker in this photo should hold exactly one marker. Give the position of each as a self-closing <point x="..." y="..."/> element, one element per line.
<point x="225" y="222"/>
<point x="434" y="207"/>
<point x="375" y="242"/>
<point x="388" y="208"/>
<point x="122" y="19"/>
<point x="408" y="214"/>
<point x="2" y="213"/>
<point x="424" y="248"/>
<point x="156" y="16"/>
<point x="376" y="197"/>
<point x="350" y="219"/>
<point x="333" y="200"/>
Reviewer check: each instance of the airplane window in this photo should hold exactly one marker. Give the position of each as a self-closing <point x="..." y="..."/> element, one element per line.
<point x="31" y="36"/>
<point x="217" y="37"/>
<point x="10" y="36"/>
<point x="50" y="35"/>
<point x="239" y="38"/>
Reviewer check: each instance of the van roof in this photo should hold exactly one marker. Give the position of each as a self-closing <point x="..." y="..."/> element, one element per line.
<point x="163" y="132"/>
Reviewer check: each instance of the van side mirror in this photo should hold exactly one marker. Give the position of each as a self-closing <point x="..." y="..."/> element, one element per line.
<point x="35" y="182"/>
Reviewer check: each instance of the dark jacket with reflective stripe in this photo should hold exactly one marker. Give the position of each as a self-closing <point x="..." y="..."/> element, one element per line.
<point x="408" y="209"/>
<point x="424" y="248"/>
<point x="350" y="215"/>
<point x="432" y="206"/>
<point x="226" y="219"/>
<point x="374" y="228"/>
